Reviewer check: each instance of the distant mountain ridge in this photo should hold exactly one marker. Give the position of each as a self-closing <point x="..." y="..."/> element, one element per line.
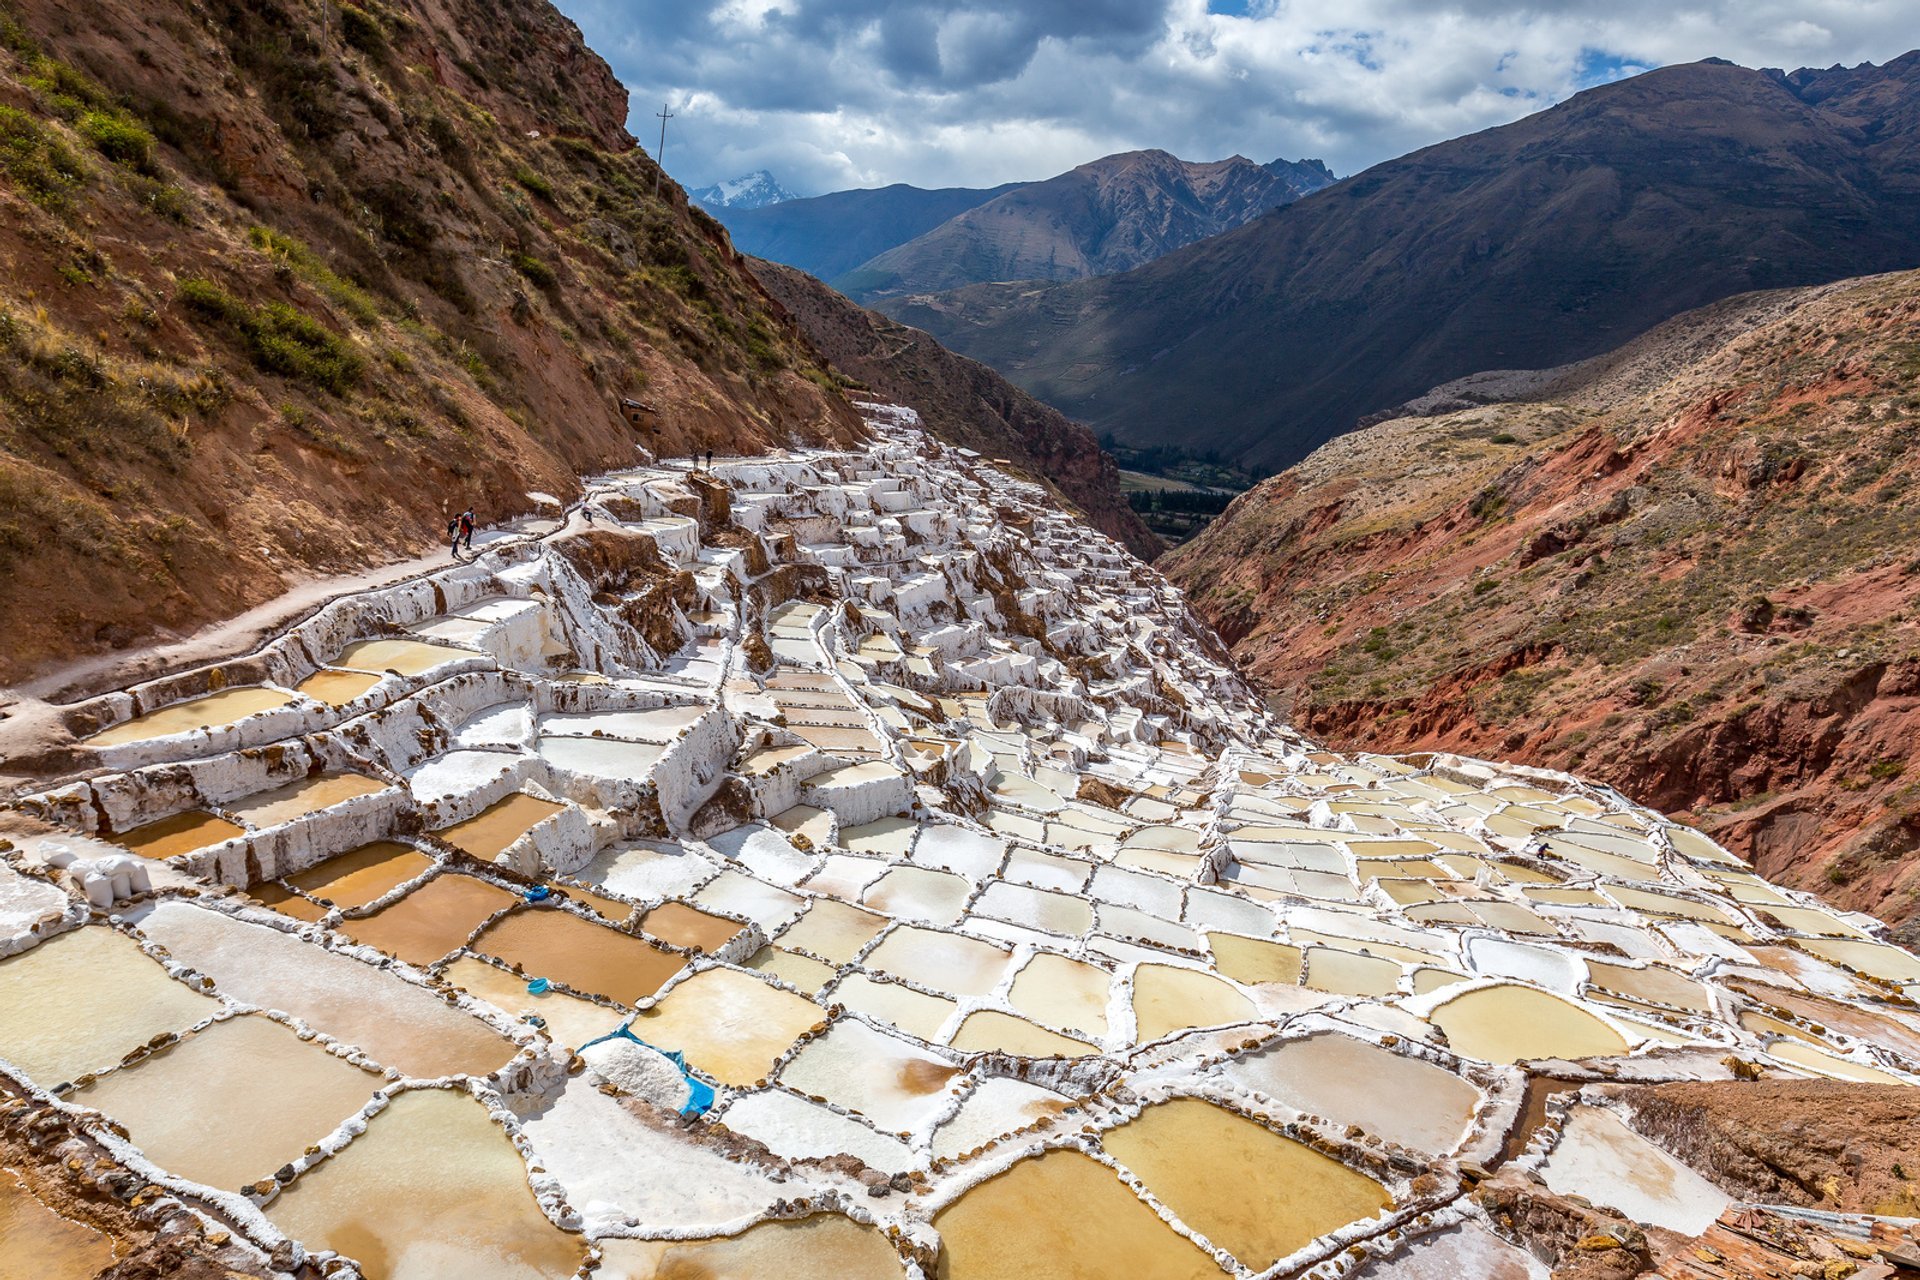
<point x="756" y="190"/>
<point x="1541" y="242"/>
<point x="1106" y="216"/>
<point x="827" y="236"/>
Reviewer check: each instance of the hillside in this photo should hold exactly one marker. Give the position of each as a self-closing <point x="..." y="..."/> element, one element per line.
<point x="1110" y="215"/>
<point x="827" y="236"/>
<point x="1690" y="568"/>
<point x="283" y="284"/>
<point x="1542" y="242"/>
<point x="961" y="401"/>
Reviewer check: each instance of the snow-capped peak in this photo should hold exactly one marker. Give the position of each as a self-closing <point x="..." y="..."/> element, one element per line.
<point x="749" y="191"/>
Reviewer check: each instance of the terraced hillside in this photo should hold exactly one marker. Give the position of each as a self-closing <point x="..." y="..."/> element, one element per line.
<point x="1688" y="568"/>
<point x="841" y="863"/>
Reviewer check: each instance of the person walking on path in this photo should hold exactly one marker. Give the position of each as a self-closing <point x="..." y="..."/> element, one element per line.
<point x="461" y="528"/>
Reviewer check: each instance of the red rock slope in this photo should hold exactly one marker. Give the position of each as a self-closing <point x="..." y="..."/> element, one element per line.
<point x="1690" y="568"/>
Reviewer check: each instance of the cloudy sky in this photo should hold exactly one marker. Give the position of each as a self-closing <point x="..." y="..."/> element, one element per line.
<point x="829" y="94"/>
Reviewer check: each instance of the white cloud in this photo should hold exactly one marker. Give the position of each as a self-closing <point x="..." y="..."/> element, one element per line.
<point x="838" y="93"/>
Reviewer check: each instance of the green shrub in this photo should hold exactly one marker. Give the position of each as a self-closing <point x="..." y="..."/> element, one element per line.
<point x="535" y="183"/>
<point x="533" y="269"/>
<point x="362" y="30"/>
<point x="1503" y="437"/>
<point x="119" y="138"/>
<point x="297" y="257"/>
<point x="43" y="167"/>
<point x="280" y="338"/>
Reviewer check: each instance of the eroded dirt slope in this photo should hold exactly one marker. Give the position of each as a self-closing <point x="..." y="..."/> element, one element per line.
<point x="283" y="282"/>
<point x="1688" y="568"/>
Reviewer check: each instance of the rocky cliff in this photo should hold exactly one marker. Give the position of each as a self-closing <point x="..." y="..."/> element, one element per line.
<point x="1688" y="568"/>
<point x="283" y="282"/>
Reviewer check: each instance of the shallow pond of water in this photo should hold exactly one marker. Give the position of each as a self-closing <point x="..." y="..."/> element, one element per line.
<point x="1063" y="993"/>
<point x="1507" y="1023"/>
<point x="998" y="1105"/>
<point x="1348" y="973"/>
<point x="942" y="961"/>
<point x="387" y="1200"/>
<point x="432" y="920"/>
<point x="186" y="832"/>
<point x="823" y="1247"/>
<point x="1247" y="1189"/>
<point x="404" y="657"/>
<point x="914" y="1012"/>
<point x="228" y="1106"/>
<point x="587" y="957"/>
<point x="1064" y="1216"/>
<point x="730" y="1025"/>
<point x="1254" y="960"/>
<point x="803" y="972"/>
<point x="570" y="1020"/>
<point x="833" y="930"/>
<point x="82" y="1000"/>
<point x="1350" y="1081"/>
<point x="1662" y="986"/>
<point x="686" y="926"/>
<point x="893" y="1083"/>
<point x="213" y="711"/>
<point x="1168" y="999"/>
<point x="38" y="1244"/>
<point x="398" y="1024"/>
<point x="919" y="893"/>
<point x="336" y="688"/>
<point x="488" y="833"/>
<point x="298" y="799"/>
<point x="357" y="877"/>
<point x="990" y="1031"/>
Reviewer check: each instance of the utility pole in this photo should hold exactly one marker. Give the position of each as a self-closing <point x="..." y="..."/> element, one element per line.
<point x="660" y="155"/>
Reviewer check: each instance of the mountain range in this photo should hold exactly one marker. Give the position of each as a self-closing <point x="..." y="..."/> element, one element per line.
<point x="1541" y="242"/>
<point x="1107" y="215"/>
<point x="1110" y="215"/>
<point x="828" y="236"/>
<point x="755" y="190"/>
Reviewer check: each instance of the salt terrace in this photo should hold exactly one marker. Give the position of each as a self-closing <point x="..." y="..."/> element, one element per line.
<point x="847" y="864"/>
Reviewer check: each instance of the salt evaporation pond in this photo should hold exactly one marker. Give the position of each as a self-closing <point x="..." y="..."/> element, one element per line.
<point x="469" y="1212"/>
<point x="1510" y="1023"/>
<point x="1402" y="1099"/>
<point x="398" y="1024"/>
<point x="432" y="920"/>
<point x="823" y="1247"/>
<point x="78" y="1002"/>
<point x="730" y="1025"/>
<point x="37" y="1242"/>
<point x="1038" y="948"/>
<point x="1250" y="1191"/>
<point x="196" y="1110"/>
<point x="993" y="1233"/>
<point x="214" y="711"/>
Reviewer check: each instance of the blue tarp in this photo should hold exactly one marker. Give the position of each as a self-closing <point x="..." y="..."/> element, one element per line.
<point x="699" y="1092"/>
